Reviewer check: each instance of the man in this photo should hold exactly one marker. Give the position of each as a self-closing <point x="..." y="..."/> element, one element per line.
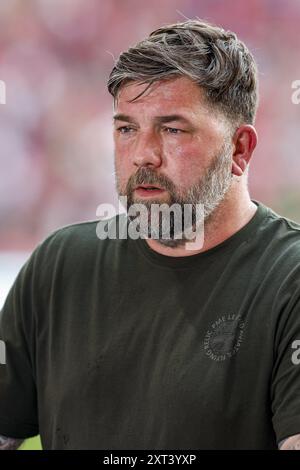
<point x="123" y="343"/>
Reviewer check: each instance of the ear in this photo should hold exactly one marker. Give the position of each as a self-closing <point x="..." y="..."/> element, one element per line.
<point x="244" y="140"/>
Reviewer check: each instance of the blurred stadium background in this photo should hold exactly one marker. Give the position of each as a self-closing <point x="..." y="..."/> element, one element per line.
<point x="56" y="151"/>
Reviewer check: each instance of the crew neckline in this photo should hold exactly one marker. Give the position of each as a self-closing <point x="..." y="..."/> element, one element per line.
<point x="193" y="260"/>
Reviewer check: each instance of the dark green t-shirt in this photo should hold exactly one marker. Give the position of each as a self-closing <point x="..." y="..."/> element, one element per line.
<point x="110" y="345"/>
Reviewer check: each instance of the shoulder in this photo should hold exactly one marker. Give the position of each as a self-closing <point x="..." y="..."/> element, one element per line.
<point x="81" y="235"/>
<point x="286" y="225"/>
<point x="274" y="253"/>
<point x="281" y="237"/>
<point x="72" y="248"/>
<point x="279" y="258"/>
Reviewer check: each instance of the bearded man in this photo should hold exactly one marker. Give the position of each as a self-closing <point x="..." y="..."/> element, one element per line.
<point x="151" y="342"/>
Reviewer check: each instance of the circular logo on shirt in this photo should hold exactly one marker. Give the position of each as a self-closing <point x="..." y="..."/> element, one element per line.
<point x="224" y="338"/>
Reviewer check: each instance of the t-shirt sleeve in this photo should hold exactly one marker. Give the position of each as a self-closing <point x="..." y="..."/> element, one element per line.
<point x="18" y="396"/>
<point x="285" y="386"/>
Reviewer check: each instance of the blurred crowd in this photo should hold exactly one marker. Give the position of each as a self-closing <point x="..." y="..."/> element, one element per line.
<point x="56" y="149"/>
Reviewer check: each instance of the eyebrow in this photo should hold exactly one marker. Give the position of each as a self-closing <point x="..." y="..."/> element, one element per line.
<point x="157" y="119"/>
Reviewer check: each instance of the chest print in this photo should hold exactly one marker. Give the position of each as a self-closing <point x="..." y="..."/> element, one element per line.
<point x="224" y="337"/>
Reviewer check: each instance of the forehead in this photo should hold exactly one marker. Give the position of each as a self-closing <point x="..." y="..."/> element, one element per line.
<point x="175" y="94"/>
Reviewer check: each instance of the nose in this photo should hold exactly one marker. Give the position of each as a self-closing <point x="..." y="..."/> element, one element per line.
<point x="147" y="150"/>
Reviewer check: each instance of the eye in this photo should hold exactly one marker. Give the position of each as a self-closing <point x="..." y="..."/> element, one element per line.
<point x="124" y="129"/>
<point x="173" y="130"/>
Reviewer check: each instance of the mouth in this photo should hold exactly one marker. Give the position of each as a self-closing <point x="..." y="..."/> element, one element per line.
<point x="146" y="190"/>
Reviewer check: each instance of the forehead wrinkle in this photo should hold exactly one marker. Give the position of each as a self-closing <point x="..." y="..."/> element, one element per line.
<point x="181" y="86"/>
<point x="179" y="96"/>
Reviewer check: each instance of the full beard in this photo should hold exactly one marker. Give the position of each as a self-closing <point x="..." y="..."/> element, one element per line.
<point x="209" y="191"/>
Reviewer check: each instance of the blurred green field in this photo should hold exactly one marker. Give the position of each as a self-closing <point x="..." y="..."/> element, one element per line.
<point x="32" y="444"/>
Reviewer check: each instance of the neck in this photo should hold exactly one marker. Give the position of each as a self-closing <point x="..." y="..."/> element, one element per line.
<point x="235" y="211"/>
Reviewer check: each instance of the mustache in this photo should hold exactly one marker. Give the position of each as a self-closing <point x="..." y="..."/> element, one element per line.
<point x="147" y="176"/>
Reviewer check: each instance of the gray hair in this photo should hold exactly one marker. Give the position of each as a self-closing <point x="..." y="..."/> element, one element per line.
<point x="214" y="58"/>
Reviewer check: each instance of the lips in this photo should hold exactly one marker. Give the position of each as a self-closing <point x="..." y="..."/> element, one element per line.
<point x="148" y="187"/>
<point x="146" y="190"/>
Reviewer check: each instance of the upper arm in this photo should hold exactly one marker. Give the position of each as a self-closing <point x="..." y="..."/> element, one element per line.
<point x="9" y="443"/>
<point x="18" y="395"/>
<point x="285" y="378"/>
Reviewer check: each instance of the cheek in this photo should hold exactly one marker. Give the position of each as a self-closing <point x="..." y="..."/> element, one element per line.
<point x="121" y="150"/>
<point x="185" y="163"/>
<point x="121" y="169"/>
<point x="122" y="156"/>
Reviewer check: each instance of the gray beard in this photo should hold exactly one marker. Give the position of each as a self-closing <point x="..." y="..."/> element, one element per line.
<point x="209" y="191"/>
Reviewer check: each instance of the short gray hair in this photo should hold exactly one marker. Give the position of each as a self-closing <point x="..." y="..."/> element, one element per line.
<point x="215" y="59"/>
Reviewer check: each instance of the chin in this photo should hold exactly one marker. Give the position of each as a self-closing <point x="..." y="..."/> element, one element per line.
<point x="171" y="243"/>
